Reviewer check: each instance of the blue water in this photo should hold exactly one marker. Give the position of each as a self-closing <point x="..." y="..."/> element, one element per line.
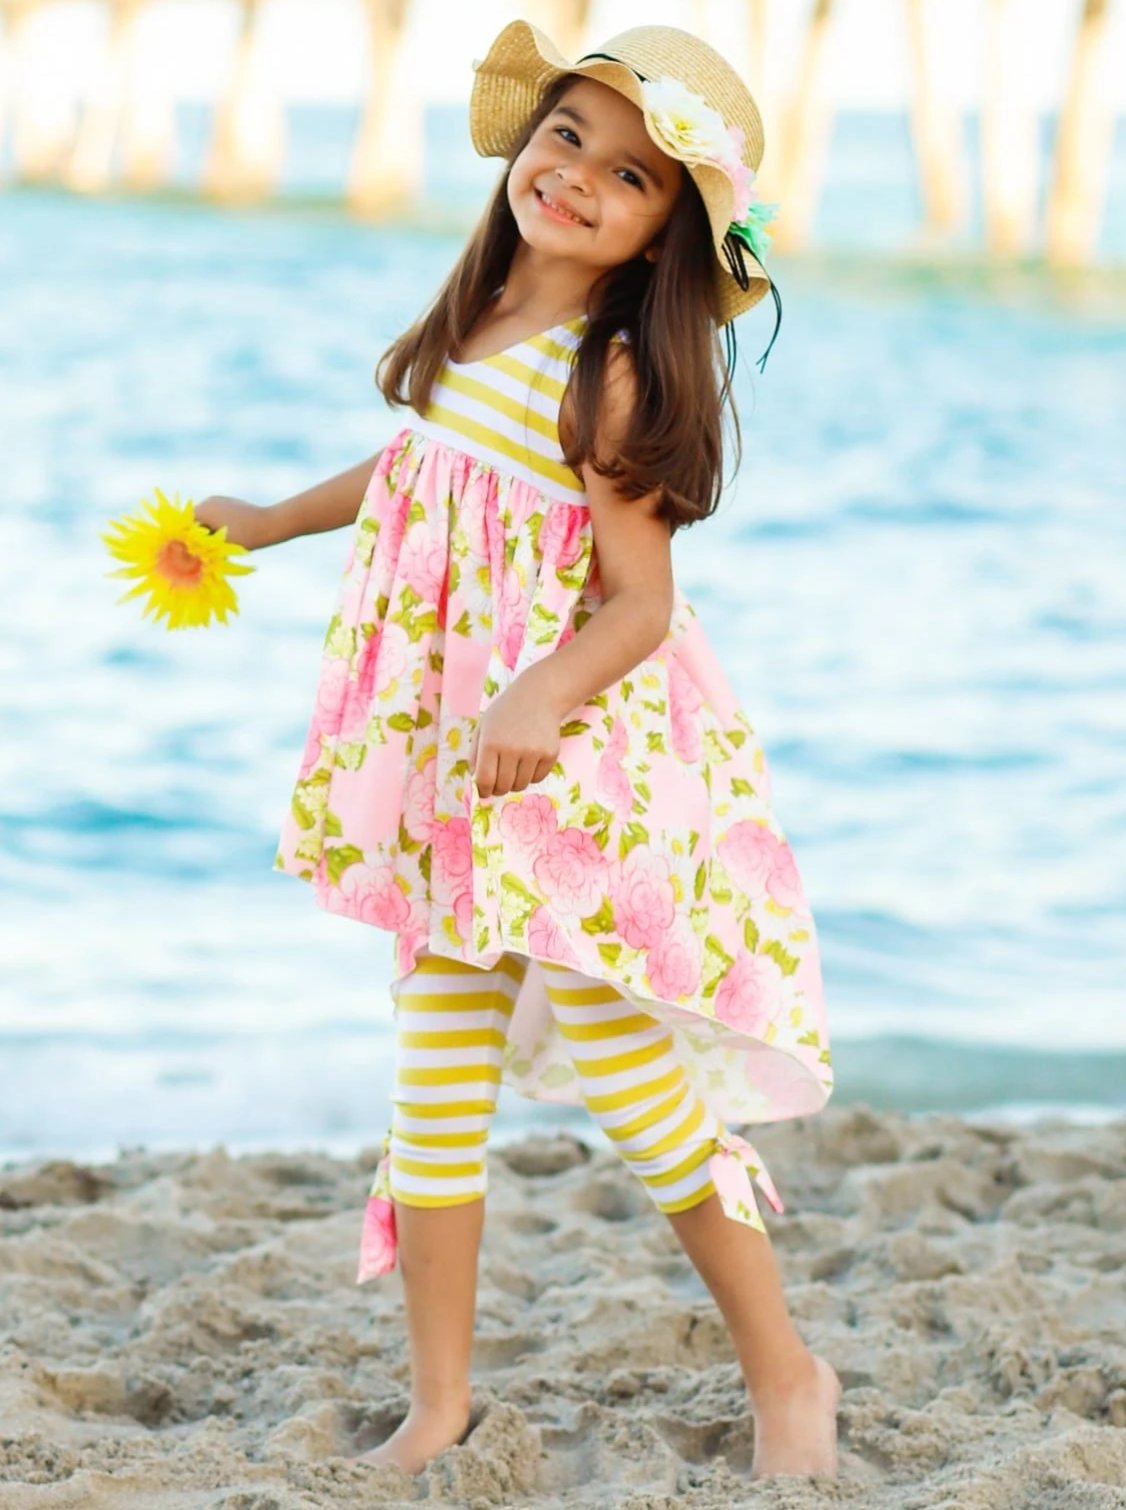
<point x="917" y="585"/>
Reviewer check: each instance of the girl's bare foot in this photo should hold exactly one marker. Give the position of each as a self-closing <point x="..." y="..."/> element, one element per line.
<point x="796" y="1422"/>
<point x="423" y="1434"/>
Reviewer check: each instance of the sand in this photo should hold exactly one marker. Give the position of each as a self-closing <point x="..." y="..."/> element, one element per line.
<point x="183" y="1329"/>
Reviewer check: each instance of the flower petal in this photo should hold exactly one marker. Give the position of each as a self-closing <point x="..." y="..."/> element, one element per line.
<point x="182" y="565"/>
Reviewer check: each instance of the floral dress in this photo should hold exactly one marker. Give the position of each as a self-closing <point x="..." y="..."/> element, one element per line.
<point x="650" y="856"/>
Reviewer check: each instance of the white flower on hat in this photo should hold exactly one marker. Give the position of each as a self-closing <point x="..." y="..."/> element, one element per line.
<point x="684" y="121"/>
<point x="694" y="133"/>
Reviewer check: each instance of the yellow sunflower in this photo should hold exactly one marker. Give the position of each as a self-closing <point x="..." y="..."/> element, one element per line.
<point x="183" y="566"/>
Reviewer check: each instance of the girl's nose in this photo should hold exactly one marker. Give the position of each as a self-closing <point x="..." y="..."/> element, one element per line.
<point x="573" y="177"/>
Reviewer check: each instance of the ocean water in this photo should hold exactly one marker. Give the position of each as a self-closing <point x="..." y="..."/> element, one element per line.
<point x="917" y="584"/>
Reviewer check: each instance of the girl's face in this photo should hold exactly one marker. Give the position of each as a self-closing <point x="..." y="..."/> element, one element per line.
<point x="591" y="186"/>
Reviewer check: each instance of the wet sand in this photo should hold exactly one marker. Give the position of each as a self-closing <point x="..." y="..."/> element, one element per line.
<point x="180" y="1330"/>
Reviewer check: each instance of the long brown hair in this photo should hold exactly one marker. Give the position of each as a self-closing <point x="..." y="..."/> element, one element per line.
<point x="667" y="309"/>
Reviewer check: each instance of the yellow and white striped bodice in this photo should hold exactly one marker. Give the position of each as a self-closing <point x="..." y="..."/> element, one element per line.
<point x="504" y="409"/>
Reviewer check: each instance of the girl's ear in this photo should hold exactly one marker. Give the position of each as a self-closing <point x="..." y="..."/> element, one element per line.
<point x="652" y="252"/>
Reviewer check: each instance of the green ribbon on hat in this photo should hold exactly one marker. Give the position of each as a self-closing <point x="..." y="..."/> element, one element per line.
<point x="752" y="231"/>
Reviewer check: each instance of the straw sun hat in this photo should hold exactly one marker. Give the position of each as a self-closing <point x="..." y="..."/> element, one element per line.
<point x="696" y="109"/>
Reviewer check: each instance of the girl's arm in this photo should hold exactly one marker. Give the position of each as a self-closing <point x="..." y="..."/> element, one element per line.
<point x="325" y="506"/>
<point x="517" y="739"/>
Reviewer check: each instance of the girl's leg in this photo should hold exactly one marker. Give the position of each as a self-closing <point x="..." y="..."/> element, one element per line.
<point x="452" y="1024"/>
<point x="793" y="1391"/>
<point x="634" y="1086"/>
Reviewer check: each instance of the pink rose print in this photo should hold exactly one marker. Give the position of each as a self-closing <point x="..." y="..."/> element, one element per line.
<point x="418" y="801"/>
<point x="361" y="688"/>
<point x="749" y="995"/>
<point x="472" y="515"/>
<point x="511" y="616"/>
<point x="642" y="897"/>
<point x="673" y="962"/>
<point x="312" y="751"/>
<point x="685" y="702"/>
<point x="613" y="785"/>
<point x="612" y="782"/>
<point x="391" y="656"/>
<point x="747" y="850"/>
<point x="370" y="894"/>
<point x="561" y="535"/>
<point x="784" y="883"/>
<point x="510" y="640"/>
<point x="357" y="711"/>
<point x="382" y="660"/>
<point x="378" y="1239"/>
<point x="758" y="860"/>
<point x="572" y="871"/>
<point x="422" y="561"/>
<point x="332" y="688"/>
<point x="411" y="941"/>
<point x="463" y="914"/>
<point x="452" y="858"/>
<point x="527" y="825"/>
<point x="547" y="940"/>
<point x="368" y="660"/>
<point x="392" y="526"/>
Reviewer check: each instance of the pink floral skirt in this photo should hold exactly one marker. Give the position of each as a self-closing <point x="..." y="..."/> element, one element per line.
<point x="650" y="856"/>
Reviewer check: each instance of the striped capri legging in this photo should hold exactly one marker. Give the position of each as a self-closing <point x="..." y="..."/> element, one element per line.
<point x="452" y="1027"/>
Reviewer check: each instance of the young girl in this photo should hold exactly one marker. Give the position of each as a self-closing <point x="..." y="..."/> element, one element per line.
<point x="524" y="760"/>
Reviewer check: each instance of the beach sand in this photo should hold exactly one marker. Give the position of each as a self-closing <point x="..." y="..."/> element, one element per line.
<point x="184" y="1329"/>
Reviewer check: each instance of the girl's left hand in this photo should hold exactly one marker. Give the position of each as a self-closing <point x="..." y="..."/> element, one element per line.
<point x="515" y="742"/>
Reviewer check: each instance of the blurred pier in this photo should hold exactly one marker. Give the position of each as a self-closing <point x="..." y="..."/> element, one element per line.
<point x="120" y="136"/>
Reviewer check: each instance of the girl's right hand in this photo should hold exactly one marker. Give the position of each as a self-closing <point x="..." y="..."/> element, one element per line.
<point x="247" y="523"/>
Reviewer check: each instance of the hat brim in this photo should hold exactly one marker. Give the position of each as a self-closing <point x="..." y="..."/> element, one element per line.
<point x="509" y="83"/>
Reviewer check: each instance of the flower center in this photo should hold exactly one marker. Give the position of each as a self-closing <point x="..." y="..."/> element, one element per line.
<point x="178" y="564"/>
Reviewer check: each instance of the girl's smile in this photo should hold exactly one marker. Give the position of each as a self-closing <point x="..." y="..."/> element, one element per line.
<point x="557" y="210"/>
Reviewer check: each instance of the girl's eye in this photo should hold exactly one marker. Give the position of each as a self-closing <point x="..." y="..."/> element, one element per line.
<point x="629" y="176"/>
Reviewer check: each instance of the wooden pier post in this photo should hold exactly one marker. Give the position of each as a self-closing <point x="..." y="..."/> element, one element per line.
<point x="385" y="173"/>
<point x="248" y="145"/>
<point x="1009" y="147"/>
<point x="124" y="113"/>
<point x="936" y="128"/>
<point x="41" y="124"/>
<point x="809" y="122"/>
<point x="763" y="81"/>
<point x="1084" y="144"/>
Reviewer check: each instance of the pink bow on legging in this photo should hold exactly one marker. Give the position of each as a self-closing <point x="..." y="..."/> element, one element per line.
<point x="379" y="1240"/>
<point x="732" y="1167"/>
